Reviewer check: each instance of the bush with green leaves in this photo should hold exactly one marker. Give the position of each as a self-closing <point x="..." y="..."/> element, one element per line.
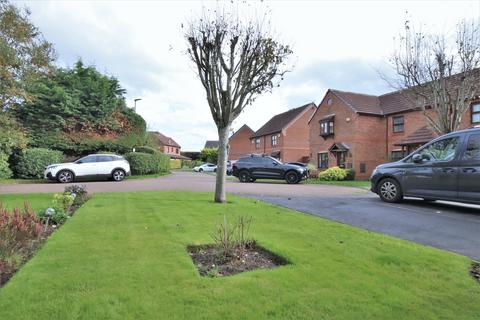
<point x="175" y="163"/>
<point x="333" y="174"/>
<point x="146" y="149"/>
<point x="81" y="193"/>
<point x="5" y="171"/>
<point x="31" y="163"/>
<point x="145" y="163"/>
<point x="209" y="155"/>
<point x="59" y="217"/>
<point x="350" y="174"/>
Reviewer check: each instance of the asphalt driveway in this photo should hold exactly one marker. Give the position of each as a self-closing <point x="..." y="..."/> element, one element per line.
<point x="443" y="225"/>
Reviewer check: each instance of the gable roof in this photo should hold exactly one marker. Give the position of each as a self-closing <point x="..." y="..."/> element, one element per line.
<point x="280" y="121"/>
<point x="211" y="144"/>
<point x="163" y="139"/>
<point x="389" y="103"/>
<point x="242" y="128"/>
<point x="421" y="136"/>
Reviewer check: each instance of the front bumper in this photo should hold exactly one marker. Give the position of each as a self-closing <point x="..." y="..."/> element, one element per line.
<point x="48" y="175"/>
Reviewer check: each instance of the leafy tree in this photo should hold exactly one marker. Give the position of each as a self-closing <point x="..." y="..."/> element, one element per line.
<point x="12" y="135"/>
<point x="236" y="60"/>
<point x="24" y="54"/>
<point x="209" y="155"/>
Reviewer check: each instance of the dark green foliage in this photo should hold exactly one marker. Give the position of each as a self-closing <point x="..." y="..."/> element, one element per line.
<point x="145" y="163"/>
<point x="79" y="111"/>
<point x="350" y="174"/>
<point x="146" y="149"/>
<point x="59" y="217"/>
<point x="31" y="163"/>
<point x="209" y="155"/>
<point x="12" y="135"/>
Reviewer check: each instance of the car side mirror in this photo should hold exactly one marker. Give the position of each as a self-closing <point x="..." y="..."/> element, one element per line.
<point x="417" y="158"/>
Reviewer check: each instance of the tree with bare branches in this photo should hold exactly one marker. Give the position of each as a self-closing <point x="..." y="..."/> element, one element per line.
<point x="235" y="60"/>
<point x="439" y="72"/>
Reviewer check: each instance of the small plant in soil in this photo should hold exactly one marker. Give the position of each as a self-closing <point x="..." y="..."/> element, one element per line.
<point x="475" y="271"/>
<point x="233" y="251"/>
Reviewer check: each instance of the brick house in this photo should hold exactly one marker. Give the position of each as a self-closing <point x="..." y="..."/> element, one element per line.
<point x="167" y="145"/>
<point x="286" y="135"/>
<point x="239" y="143"/>
<point x="360" y="131"/>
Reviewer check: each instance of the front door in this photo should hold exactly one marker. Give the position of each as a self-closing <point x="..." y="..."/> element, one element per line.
<point x="437" y="175"/>
<point x="469" y="170"/>
<point x="87" y="167"/>
<point x="340" y="159"/>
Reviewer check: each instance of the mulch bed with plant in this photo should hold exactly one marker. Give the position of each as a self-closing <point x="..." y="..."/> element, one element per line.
<point x="23" y="231"/>
<point x="211" y="262"/>
<point x="233" y="251"/>
<point x="475" y="271"/>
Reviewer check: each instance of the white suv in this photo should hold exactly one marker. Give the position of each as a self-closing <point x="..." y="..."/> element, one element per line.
<point x="93" y="166"/>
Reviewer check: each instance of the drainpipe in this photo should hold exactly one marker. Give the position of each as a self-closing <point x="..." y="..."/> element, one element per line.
<point x="265" y="145"/>
<point x="386" y="139"/>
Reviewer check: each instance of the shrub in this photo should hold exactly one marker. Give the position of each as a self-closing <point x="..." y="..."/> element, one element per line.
<point x="81" y="194"/>
<point x="333" y="174"/>
<point x="62" y="202"/>
<point x="350" y="174"/>
<point x="59" y="217"/>
<point x="146" y="149"/>
<point x="31" y="163"/>
<point x="175" y="163"/>
<point x="209" y="155"/>
<point x="145" y="163"/>
<point x="232" y="236"/>
<point x="5" y="171"/>
<point x="18" y="230"/>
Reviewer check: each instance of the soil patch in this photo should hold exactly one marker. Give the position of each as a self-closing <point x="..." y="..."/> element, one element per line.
<point x="211" y="262"/>
<point x="475" y="271"/>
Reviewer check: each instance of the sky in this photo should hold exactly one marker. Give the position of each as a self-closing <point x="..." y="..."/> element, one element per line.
<point x="336" y="44"/>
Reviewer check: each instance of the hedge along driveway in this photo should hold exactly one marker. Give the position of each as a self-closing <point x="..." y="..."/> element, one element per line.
<point x="122" y="256"/>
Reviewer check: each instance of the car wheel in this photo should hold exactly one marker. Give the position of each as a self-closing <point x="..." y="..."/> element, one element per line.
<point x="214" y="170"/>
<point x="389" y="190"/>
<point x="118" y="175"/>
<point x="292" y="177"/>
<point x="200" y="170"/>
<point x="253" y="179"/>
<point x="244" y="176"/>
<point x="65" y="176"/>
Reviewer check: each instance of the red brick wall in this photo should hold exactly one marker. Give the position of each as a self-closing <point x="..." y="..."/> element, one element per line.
<point x="240" y="144"/>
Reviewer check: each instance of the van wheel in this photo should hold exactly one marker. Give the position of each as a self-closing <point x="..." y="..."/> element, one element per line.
<point x="244" y="176"/>
<point x="65" y="176"/>
<point x="389" y="190"/>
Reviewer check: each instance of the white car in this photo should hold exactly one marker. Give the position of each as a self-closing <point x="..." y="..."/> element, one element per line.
<point x="206" y="167"/>
<point x="93" y="166"/>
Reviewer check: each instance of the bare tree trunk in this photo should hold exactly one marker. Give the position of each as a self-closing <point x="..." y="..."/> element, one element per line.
<point x="220" y="195"/>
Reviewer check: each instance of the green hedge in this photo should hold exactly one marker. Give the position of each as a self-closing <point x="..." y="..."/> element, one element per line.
<point x="5" y="171"/>
<point x="145" y="163"/>
<point x="31" y="163"/>
<point x="146" y="149"/>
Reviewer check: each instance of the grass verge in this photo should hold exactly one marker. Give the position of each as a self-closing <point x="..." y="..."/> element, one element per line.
<point x="123" y="256"/>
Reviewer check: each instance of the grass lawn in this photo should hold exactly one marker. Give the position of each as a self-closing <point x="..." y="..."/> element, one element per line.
<point x="36" y="201"/>
<point x="21" y="181"/>
<point x="123" y="256"/>
<point x="147" y="176"/>
<point x="351" y="183"/>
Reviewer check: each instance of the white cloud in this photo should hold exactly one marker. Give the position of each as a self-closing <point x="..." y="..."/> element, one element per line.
<point x="336" y="44"/>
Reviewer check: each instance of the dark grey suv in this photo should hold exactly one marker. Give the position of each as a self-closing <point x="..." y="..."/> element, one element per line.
<point x="447" y="168"/>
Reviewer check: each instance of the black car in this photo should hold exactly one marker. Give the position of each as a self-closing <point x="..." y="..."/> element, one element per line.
<point x="447" y="168"/>
<point x="253" y="167"/>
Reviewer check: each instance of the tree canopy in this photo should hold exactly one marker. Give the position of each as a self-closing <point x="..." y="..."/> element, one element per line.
<point x="24" y="54"/>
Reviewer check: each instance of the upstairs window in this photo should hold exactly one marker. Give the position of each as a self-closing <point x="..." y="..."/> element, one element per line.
<point x="326" y="127"/>
<point x="274" y="140"/>
<point x="398" y="124"/>
<point x="476" y="112"/>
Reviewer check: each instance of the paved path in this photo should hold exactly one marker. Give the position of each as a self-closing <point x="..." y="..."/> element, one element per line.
<point x="443" y="225"/>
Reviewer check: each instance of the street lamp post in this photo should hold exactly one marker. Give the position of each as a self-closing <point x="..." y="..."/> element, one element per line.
<point x="135" y="104"/>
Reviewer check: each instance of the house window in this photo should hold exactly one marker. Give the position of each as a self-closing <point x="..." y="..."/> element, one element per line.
<point x="398" y="123"/>
<point x="363" y="167"/>
<point x="323" y="160"/>
<point x="274" y="140"/>
<point x="396" y="155"/>
<point x="476" y="112"/>
<point x="257" y="143"/>
<point x="326" y="127"/>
